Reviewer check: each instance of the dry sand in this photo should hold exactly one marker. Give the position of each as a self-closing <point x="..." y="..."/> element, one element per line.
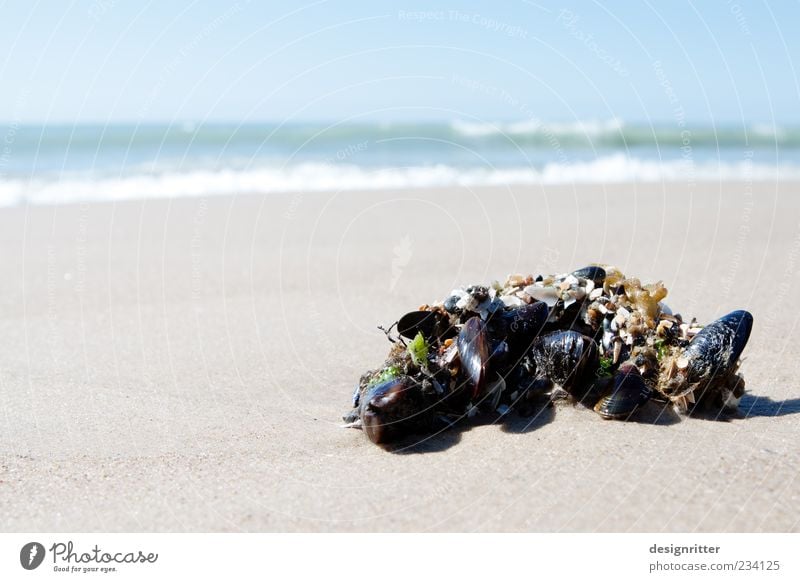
<point x="183" y="366"/>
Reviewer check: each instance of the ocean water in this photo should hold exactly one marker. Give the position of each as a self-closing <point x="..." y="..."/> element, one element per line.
<point x="66" y="163"/>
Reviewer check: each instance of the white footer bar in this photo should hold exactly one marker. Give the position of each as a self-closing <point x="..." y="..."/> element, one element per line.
<point x="399" y="557"/>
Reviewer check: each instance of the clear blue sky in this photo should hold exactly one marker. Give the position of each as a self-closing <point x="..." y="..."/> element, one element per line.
<point x="124" y="60"/>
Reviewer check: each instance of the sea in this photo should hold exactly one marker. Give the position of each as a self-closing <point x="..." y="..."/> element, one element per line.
<point x="65" y="163"/>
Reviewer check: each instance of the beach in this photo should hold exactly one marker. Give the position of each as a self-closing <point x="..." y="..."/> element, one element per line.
<point x="183" y="365"/>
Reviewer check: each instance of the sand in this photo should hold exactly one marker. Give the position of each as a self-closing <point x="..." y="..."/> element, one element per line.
<point x="183" y="365"/>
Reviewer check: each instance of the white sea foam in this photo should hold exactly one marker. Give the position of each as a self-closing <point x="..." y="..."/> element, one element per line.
<point x="336" y="177"/>
<point x="769" y="130"/>
<point x="538" y="127"/>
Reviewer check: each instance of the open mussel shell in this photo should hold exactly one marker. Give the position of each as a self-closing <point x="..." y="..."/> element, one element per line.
<point x="473" y="351"/>
<point x="430" y="323"/>
<point x="716" y="349"/>
<point x="392" y="409"/>
<point x="629" y="392"/>
<point x="566" y="358"/>
<point x="592" y="273"/>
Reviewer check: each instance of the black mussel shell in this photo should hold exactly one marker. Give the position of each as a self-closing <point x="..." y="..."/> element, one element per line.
<point x="473" y="350"/>
<point x="524" y="323"/>
<point x="450" y="304"/>
<point x="392" y="409"/>
<point x="596" y="274"/>
<point x="717" y="347"/>
<point x="521" y="326"/>
<point x="431" y="324"/>
<point x="566" y="358"/>
<point x="629" y="392"/>
<point x="499" y="353"/>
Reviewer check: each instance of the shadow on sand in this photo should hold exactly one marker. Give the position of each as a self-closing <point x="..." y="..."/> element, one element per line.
<point x="449" y="435"/>
<point x="753" y="406"/>
<point x="653" y="413"/>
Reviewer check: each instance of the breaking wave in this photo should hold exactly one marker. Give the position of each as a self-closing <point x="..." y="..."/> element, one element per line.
<point x="78" y="187"/>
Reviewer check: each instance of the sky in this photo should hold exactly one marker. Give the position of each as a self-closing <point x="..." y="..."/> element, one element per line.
<point x="106" y="61"/>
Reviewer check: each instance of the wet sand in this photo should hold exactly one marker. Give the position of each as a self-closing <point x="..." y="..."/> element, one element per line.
<point x="183" y="365"/>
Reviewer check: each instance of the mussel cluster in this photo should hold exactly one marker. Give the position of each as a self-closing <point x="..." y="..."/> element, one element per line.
<point x="592" y="336"/>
